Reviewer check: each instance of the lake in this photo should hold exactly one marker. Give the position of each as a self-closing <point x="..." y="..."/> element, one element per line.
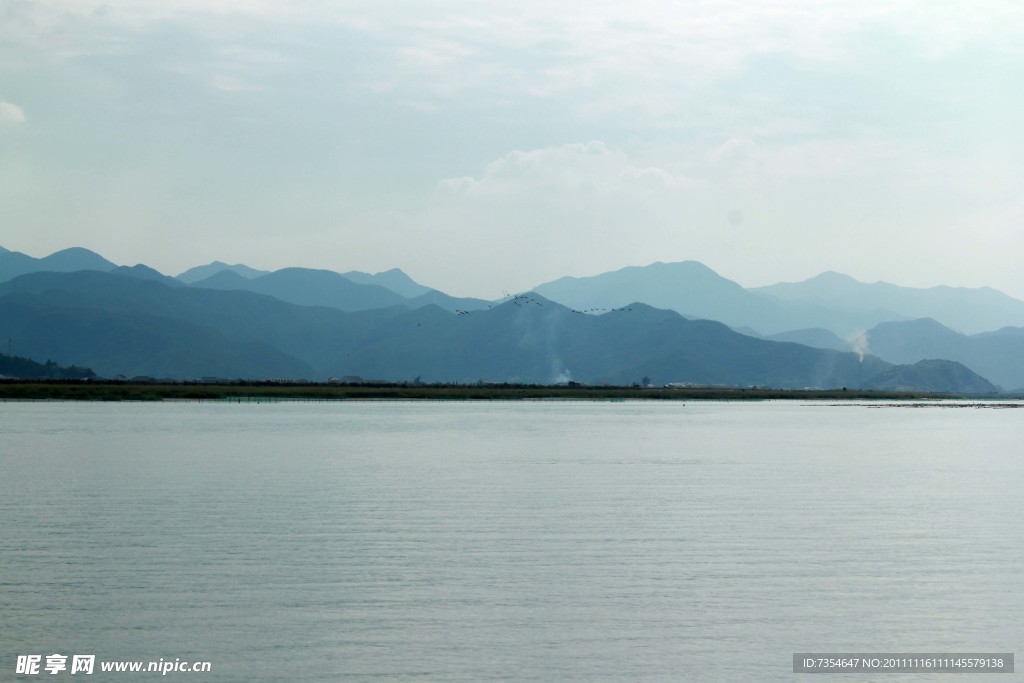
<point x="507" y="541"/>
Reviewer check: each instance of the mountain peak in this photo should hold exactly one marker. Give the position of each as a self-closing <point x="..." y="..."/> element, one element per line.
<point x="687" y="287"/>
<point x="394" y="279"/>
<point x="688" y="266"/>
<point x="832" y="276"/>
<point x="73" y="251"/>
<point x="194" y="275"/>
<point x="222" y="279"/>
<point x="76" y="258"/>
<point x="144" y="272"/>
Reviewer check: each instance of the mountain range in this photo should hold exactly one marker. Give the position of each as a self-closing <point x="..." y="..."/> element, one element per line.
<point x="967" y="310"/>
<point x="308" y="287"/>
<point x="830" y="301"/>
<point x="996" y="355"/>
<point x="655" y="322"/>
<point x="122" y="325"/>
<point x="14" y="263"/>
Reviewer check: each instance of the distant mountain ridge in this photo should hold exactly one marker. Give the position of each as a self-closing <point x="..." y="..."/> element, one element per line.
<point x="940" y="376"/>
<point x="998" y="356"/>
<point x="830" y="301"/>
<point x="965" y="309"/>
<point x="693" y="289"/>
<point x="120" y="324"/>
<point x="308" y="287"/>
<point x="830" y="311"/>
<point x="144" y="272"/>
<point x="193" y="275"/>
<point x="687" y="287"/>
<point x="14" y="263"/>
<point x="394" y="279"/>
<point x="351" y="291"/>
<point x="815" y="337"/>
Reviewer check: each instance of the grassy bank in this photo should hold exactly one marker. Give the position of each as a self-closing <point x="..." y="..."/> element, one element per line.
<point x="146" y="391"/>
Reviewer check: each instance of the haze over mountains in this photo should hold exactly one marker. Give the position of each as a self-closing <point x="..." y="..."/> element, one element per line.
<point x="121" y="325"/>
<point x="14" y="263"/>
<point x="967" y="310"/>
<point x="75" y="307"/>
<point x="308" y="287"/>
<point x="830" y="301"/>
<point x="193" y="275"/>
<point x="996" y="355"/>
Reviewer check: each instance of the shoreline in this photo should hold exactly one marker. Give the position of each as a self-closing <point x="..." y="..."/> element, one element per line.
<point x="113" y="390"/>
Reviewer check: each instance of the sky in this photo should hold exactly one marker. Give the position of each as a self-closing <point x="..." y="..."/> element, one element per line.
<point x="488" y="147"/>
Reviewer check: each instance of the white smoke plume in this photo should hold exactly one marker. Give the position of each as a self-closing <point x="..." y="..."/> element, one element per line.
<point x="859" y="345"/>
<point x="559" y="373"/>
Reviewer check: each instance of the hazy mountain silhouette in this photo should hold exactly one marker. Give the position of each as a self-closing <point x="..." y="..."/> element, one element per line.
<point x="532" y="339"/>
<point x="961" y="308"/>
<point x="306" y="287"/>
<point x="997" y="356"/>
<point x="136" y="343"/>
<point x="395" y="280"/>
<point x="830" y="301"/>
<point x="452" y="304"/>
<point x="119" y="324"/>
<point x="14" y="263"/>
<point x="693" y="289"/>
<point x="817" y="337"/>
<point x="932" y="375"/>
<point x="193" y="275"/>
<point x="77" y="307"/>
<point x="688" y="287"/>
<point x="144" y="272"/>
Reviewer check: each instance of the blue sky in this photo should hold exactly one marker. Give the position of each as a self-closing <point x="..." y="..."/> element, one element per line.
<point x="485" y="148"/>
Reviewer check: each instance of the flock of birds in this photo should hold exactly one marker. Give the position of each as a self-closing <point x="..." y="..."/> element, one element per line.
<point x="523" y="300"/>
<point x="602" y="310"/>
<point x="518" y="300"/>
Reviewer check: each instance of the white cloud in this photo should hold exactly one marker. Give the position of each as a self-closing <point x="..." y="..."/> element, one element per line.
<point x="579" y="169"/>
<point x="648" y="54"/>
<point x="757" y="213"/>
<point x="769" y="139"/>
<point x="733" y="151"/>
<point x="535" y="214"/>
<point x="652" y="57"/>
<point x="525" y="217"/>
<point x="11" y="114"/>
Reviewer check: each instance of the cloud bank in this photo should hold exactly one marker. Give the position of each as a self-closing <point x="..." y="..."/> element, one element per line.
<point x="11" y="114"/>
<point x="484" y="147"/>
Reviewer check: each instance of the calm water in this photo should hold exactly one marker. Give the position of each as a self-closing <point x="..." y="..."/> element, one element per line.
<point x="507" y="541"/>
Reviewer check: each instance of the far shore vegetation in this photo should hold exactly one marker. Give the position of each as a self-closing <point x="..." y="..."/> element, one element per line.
<point x="120" y="390"/>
